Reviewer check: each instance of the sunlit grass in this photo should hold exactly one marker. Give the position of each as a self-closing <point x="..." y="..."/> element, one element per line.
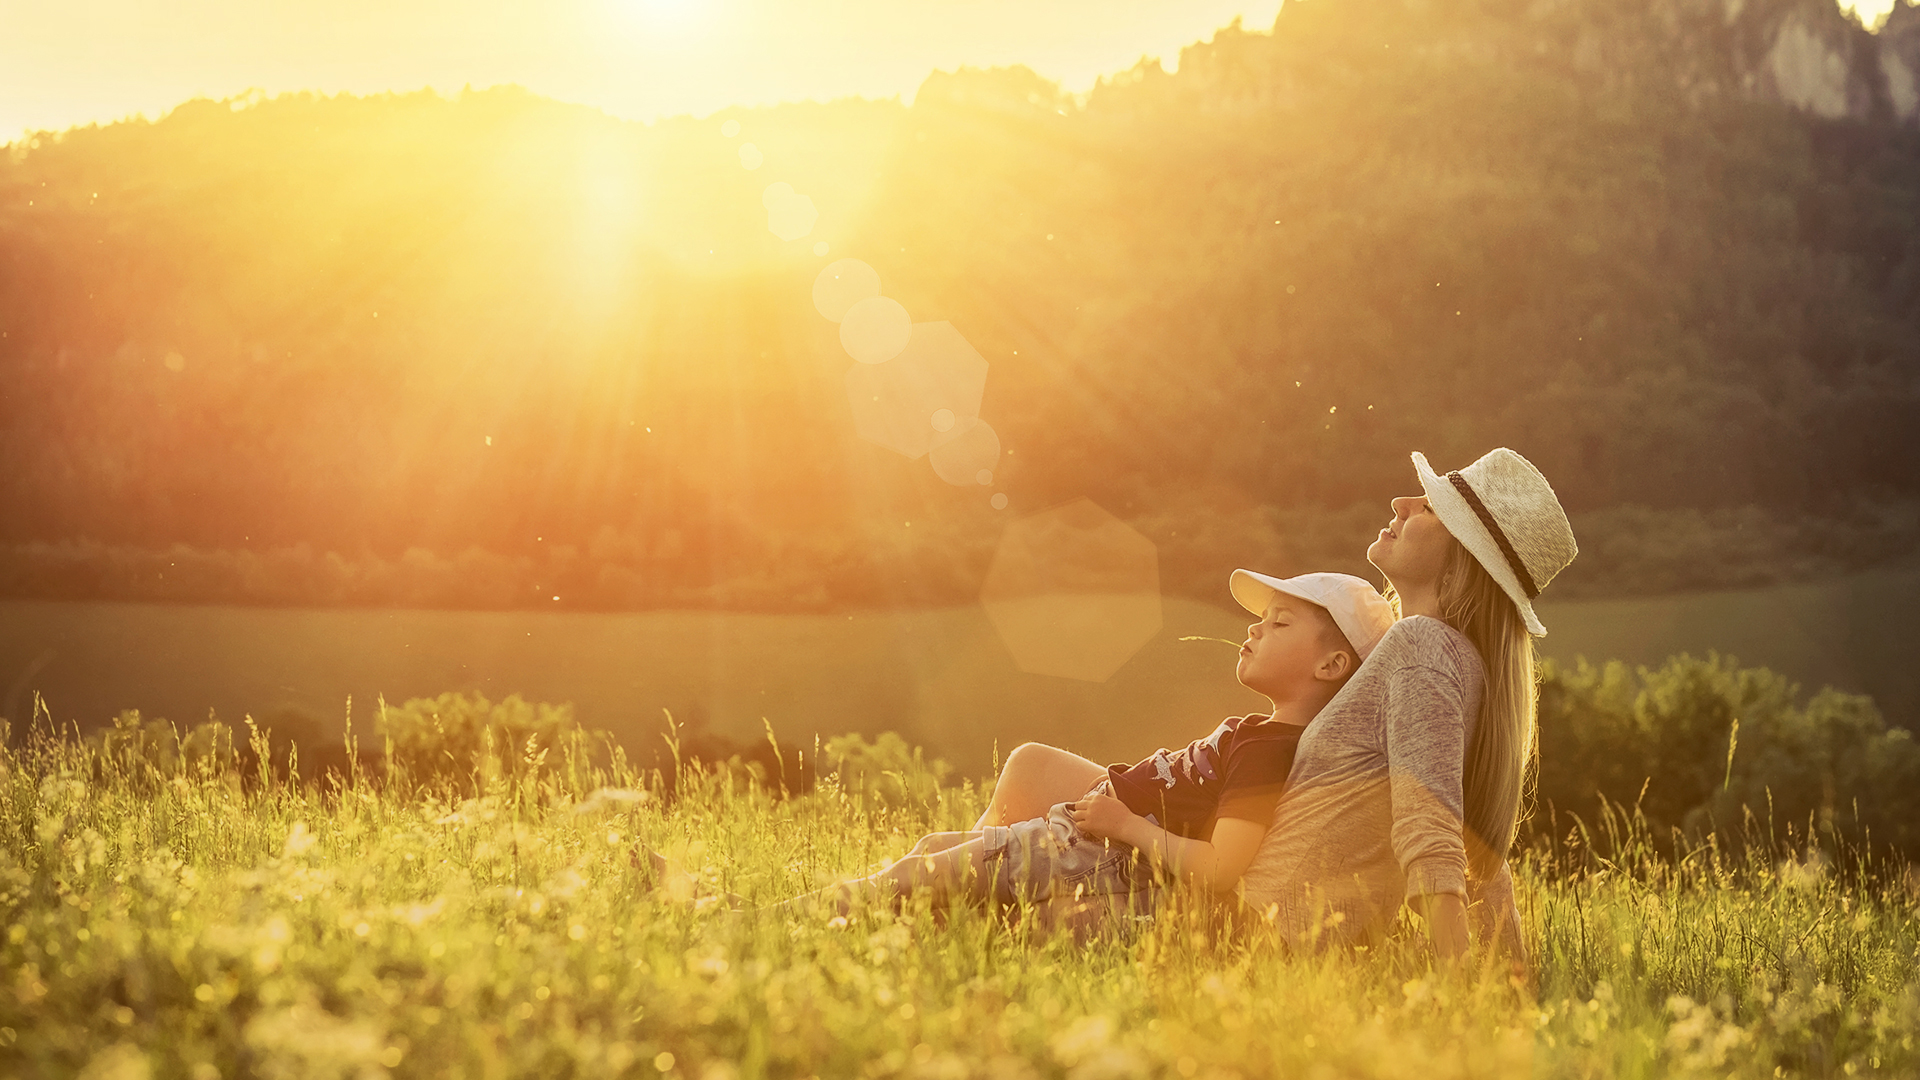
<point x="181" y="909"/>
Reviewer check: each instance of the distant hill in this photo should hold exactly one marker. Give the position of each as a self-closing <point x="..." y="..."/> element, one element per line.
<point x="490" y="350"/>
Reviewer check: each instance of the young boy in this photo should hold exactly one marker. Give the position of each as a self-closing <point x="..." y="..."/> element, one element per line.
<point x="1196" y="813"/>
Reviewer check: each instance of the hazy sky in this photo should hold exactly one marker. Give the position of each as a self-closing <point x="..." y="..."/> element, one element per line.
<point x="71" y="62"/>
<point x="67" y="62"/>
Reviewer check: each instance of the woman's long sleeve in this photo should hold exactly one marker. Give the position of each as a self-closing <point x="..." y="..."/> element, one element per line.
<point x="1426" y="748"/>
<point x="1496" y="918"/>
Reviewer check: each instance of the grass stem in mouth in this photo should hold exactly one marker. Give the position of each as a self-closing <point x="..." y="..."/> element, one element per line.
<point x="1203" y="637"/>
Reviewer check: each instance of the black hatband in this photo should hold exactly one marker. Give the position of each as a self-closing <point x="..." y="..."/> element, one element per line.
<point x="1499" y="537"/>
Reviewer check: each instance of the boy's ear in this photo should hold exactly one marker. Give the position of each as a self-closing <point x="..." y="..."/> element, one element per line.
<point x="1334" y="666"/>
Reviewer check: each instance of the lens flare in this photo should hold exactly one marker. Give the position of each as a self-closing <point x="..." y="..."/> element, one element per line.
<point x="1073" y="591"/>
<point x="960" y="456"/>
<point x="899" y="404"/>
<point x="936" y="379"/>
<point x="874" y="330"/>
<point x="842" y="284"/>
<point x="790" y="215"/>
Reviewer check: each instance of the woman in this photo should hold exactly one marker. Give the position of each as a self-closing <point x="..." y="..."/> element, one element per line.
<point x="1407" y="787"/>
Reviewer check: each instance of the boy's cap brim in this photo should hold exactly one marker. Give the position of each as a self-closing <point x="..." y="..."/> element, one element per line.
<point x="1357" y="607"/>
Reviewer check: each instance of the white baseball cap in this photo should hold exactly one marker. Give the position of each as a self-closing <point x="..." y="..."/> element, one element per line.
<point x="1357" y="607"/>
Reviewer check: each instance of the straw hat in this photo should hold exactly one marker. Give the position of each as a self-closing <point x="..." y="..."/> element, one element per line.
<point x="1506" y="514"/>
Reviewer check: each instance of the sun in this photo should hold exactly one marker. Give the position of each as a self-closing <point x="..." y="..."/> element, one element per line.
<point x="664" y="14"/>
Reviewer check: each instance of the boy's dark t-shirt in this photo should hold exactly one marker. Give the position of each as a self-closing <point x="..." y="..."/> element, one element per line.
<point x="1238" y="771"/>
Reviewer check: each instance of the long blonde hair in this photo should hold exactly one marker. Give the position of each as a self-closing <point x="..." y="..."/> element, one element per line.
<point x="1503" y="751"/>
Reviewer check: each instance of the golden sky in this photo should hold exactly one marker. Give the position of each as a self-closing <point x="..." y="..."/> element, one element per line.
<point x="80" y="61"/>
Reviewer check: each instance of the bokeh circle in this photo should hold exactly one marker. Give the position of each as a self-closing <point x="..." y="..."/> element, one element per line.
<point x="961" y="455"/>
<point x="842" y="284"/>
<point x="874" y="330"/>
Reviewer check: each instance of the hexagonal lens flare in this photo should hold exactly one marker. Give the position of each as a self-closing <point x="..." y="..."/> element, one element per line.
<point x="874" y="330"/>
<point x="842" y="284"/>
<point x="1073" y="591"/>
<point x="899" y="403"/>
<point x="964" y="452"/>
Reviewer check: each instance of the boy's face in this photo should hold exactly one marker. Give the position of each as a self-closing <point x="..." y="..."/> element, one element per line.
<point x="1285" y="649"/>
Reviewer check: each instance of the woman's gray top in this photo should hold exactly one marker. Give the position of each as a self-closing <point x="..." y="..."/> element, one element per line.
<point x="1371" y="814"/>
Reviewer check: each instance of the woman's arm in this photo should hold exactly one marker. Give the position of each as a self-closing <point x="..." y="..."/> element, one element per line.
<point x="1216" y="863"/>
<point x="1426" y="754"/>
<point x="1446" y="918"/>
<point x="1495" y="918"/>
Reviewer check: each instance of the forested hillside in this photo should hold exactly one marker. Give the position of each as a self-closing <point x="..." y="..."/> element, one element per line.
<point x="492" y="350"/>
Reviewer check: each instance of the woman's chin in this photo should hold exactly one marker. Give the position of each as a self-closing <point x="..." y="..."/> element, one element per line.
<point x="1375" y="551"/>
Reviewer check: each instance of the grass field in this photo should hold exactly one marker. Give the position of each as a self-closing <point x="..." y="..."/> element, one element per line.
<point x="169" y="916"/>
<point x="942" y="678"/>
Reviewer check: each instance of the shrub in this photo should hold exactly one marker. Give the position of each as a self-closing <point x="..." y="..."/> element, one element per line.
<point x="151" y="751"/>
<point x="1697" y="744"/>
<point x="467" y="742"/>
<point x="886" y="769"/>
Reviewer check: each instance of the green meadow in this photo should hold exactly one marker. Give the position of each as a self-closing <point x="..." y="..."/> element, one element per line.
<point x="176" y="909"/>
<point x="465" y="901"/>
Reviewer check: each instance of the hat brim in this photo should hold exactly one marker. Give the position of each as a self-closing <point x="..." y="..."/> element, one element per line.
<point x="1255" y="591"/>
<point x="1466" y="527"/>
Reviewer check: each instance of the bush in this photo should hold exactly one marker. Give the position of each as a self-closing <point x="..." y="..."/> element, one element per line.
<point x="886" y="769"/>
<point x="468" y="742"/>
<point x="152" y="751"/>
<point x="780" y="768"/>
<point x="1697" y="745"/>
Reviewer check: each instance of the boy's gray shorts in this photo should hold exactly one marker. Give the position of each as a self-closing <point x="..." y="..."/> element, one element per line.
<point x="1049" y="857"/>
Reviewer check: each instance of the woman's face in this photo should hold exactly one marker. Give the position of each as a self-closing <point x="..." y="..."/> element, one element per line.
<point x="1412" y="549"/>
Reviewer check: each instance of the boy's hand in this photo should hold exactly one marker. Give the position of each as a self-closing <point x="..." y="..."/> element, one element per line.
<point x="1101" y="816"/>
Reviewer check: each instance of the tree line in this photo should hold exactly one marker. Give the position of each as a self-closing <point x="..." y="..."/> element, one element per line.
<point x="337" y="349"/>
